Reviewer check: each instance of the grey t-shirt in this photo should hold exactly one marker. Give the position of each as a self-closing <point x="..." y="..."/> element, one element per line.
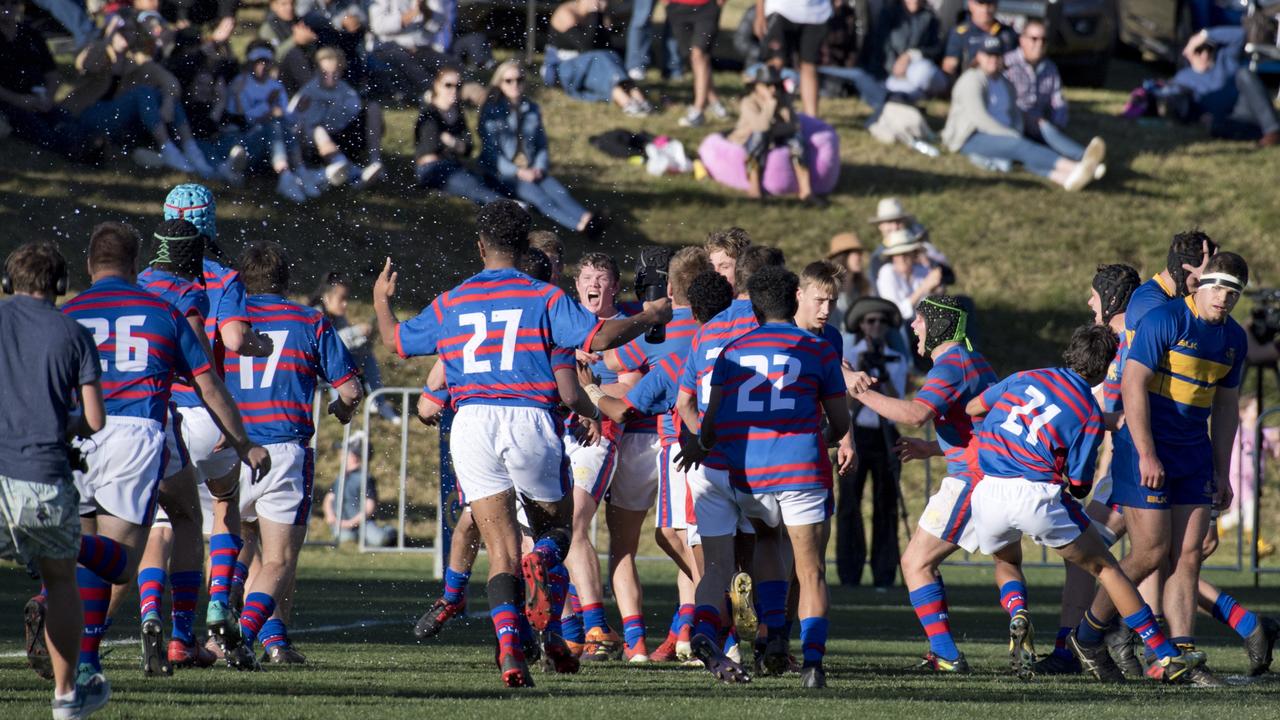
<point x="44" y="357"/>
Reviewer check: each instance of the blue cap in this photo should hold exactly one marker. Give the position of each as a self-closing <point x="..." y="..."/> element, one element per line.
<point x="194" y="203"/>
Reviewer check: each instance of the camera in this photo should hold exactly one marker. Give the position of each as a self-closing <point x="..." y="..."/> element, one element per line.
<point x="651" y="283"/>
<point x="874" y="362"/>
<point x="1264" y="319"/>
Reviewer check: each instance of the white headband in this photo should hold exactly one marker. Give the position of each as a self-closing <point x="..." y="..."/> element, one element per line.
<point x="1220" y="278"/>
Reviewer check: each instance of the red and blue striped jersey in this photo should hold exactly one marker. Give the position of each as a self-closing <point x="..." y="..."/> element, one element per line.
<point x="1190" y="359"/>
<point x="957" y="376"/>
<point x="1111" y="400"/>
<point x="655" y="395"/>
<point x="1042" y="425"/>
<point x="732" y="323"/>
<point x="275" y="393"/>
<point x="832" y="336"/>
<point x="774" y="380"/>
<point x="226" y="299"/>
<point x="191" y="299"/>
<point x="143" y="342"/>
<point x="495" y="333"/>
<point x="640" y="355"/>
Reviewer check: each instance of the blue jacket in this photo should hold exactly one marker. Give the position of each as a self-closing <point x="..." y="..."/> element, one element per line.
<point x="502" y="132"/>
<point x="1215" y="91"/>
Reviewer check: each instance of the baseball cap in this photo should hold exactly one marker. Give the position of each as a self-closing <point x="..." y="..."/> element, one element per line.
<point x="991" y="45"/>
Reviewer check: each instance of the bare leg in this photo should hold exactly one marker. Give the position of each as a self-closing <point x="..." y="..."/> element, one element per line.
<point x="1190" y="523"/>
<point x="1149" y="533"/>
<point x="624" y="540"/>
<point x="64" y="620"/>
<point x="701" y="64"/>
<point x="809" y="89"/>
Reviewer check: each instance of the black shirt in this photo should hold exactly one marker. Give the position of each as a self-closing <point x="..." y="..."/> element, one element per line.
<point x="44" y="357"/>
<point x="24" y="60"/>
<point x="589" y="34"/>
<point x="432" y="123"/>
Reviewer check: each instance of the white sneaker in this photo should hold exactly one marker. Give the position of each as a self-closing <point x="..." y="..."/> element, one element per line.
<point x="718" y="110"/>
<point x="232" y="169"/>
<point x="173" y="158"/>
<point x="692" y="118"/>
<point x="634" y="109"/>
<point x="191" y="151"/>
<point x="314" y="181"/>
<point x="636" y="74"/>
<point x="1100" y="171"/>
<point x="338" y="171"/>
<point x="92" y="693"/>
<point x="147" y="158"/>
<point x="371" y="174"/>
<point x="290" y="186"/>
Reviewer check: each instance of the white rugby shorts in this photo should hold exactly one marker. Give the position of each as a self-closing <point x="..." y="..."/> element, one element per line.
<point x="947" y="515"/>
<point x="284" y="495"/>
<point x="125" y="459"/>
<point x="498" y="447"/>
<point x="592" y="466"/>
<point x="721" y="510"/>
<point x="201" y="435"/>
<point x="1005" y="509"/>
<point x="635" y="483"/>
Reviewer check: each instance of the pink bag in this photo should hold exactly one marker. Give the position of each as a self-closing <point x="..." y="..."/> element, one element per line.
<point x="726" y="162"/>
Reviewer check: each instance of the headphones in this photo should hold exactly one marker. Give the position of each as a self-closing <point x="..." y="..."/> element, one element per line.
<point x="59" y="285"/>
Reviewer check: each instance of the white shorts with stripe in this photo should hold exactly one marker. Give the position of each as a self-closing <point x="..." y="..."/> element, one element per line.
<point x="635" y="483"/>
<point x="1005" y="509"/>
<point x="126" y="459"/>
<point x="284" y="495"/>
<point x="592" y="466"/>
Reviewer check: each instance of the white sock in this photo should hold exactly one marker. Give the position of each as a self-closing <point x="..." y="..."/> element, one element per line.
<point x="65" y="698"/>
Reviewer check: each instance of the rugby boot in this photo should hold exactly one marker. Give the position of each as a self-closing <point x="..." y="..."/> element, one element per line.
<point x="223" y="626"/>
<point x="637" y="653"/>
<point x="716" y="662"/>
<point x="813" y="676"/>
<point x="537" y="590"/>
<point x="211" y="644"/>
<point x="515" y="671"/>
<point x="1259" y="645"/>
<point x="1187" y="668"/>
<point x="557" y="657"/>
<point x="1054" y="664"/>
<point x="241" y="657"/>
<point x="937" y="663"/>
<point x="744" y="610"/>
<point x="1022" y="649"/>
<point x="155" y="656"/>
<point x="1095" y="660"/>
<point x="601" y="646"/>
<point x="776" y="660"/>
<point x="182" y="655"/>
<point x="664" y="653"/>
<point x="1119" y="643"/>
<point x="531" y="646"/>
<point x="33" y="637"/>
<point x="283" y="654"/>
<point x="433" y="620"/>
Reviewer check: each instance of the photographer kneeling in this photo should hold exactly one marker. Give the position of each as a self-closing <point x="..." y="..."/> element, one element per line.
<point x="871" y="320"/>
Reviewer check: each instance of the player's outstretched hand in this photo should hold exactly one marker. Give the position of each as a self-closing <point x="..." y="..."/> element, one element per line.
<point x="341" y="410"/>
<point x="385" y="286"/>
<point x="1151" y="471"/>
<point x="661" y="310"/>
<point x="588" y="431"/>
<point x="259" y="345"/>
<point x="258" y="460"/>
<point x="910" y="448"/>
<point x="857" y="381"/>
<point x="585" y="376"/>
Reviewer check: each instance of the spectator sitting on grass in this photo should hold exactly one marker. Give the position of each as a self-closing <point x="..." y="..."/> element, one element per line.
<point x="295" y="43"/>
<point x="1229" y="96"/>
<point x="841" y="57"/>
<point x="335" y="122"/>
<point x="356" y="511"/>
<point x="912" y="46"/>
<point x="581" y="60"/>
<point x="444" y="141"/>
<point x="1038" y="88"/>
<point x="968" y="37"/>
<point x="766" y="120"/>
<point x="985" y="124"/>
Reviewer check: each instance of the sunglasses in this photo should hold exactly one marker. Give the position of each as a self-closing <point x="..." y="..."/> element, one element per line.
<point x="875" y="320"/>
<point x="513" y="81"/>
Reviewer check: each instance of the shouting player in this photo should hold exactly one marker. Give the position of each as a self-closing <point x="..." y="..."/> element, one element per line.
<point x="495" y="333"/>
<point x="143" y="343"/>
<point x="1180" y="389"/>
<point x="1038" y="447"/>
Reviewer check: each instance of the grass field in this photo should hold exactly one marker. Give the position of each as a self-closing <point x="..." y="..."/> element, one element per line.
<point x="379" y="671"/>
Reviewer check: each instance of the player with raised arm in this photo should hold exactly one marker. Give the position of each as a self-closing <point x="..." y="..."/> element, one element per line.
<point x="699" y="297"/>
<point x="1038" y="448"/>
<point x="275" y="394"/>
<point x="764" y="453"/>
<point x="228" y="330"/>
<point x="143" y="343"/>
<point x="1180" y="388"/>
<point x="495" y="333"/>
<point x="959" y="374"/>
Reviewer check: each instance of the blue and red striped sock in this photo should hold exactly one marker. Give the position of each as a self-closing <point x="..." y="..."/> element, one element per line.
<point x="772" y="595"/>
<point x="258" y="607"/>
<point x="571" y="624"/>
<point x="1227" y="611"/>
<point x="706" y="621"/>
<point x="593" y="617"/>
<point x="558" y="585"/>
<point x="1060" y="644"/>
<point x="813" y="638"/>
<point x="223" y="549"/>
<point x="105" y="557"/>
<point x="95" y="596"/>
<point x="1092" y="630"/>
<point x="239" y="575"/>
<point x="930" y="603"/>
<point x="506" y="625"/>
<point x="273" y="633"/>
<point x="633" y="630"/>
<point x="455" y="585"/>
<point x="1144" y="623"/>
<point x="673" y="630"/>
<point x="150" y="590"/>
<point x="731" y="639"/>
<point x="186" y="590"/>
<point x="686" y="617"/>
<point x="1013" y="597"/>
